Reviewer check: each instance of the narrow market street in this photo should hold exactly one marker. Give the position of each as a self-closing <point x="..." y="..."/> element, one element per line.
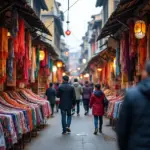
<point x="81" y="138"/>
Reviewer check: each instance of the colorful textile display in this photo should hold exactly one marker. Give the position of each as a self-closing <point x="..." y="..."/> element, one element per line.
<point x="20" y="113"/>
<point x="117" y="62"/>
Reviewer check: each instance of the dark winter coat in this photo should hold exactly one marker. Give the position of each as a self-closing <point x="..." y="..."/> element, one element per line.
<point x="97" y="103"/>
<point x="134" y="122"/>
<point x="51" y="95"/>
<point x="67" y="96"/>
<point x="87" y="91"/>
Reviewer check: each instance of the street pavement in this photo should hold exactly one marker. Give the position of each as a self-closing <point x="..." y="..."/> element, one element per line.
<point x="81" y="137"/>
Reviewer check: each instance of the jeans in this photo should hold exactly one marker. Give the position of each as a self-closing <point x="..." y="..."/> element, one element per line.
<point x="98" y="119"/>
<point x="78" y="106"/>
<point x="52" y="108"/>
<point x="86" y="104"/>
<point x="66" y="119"/>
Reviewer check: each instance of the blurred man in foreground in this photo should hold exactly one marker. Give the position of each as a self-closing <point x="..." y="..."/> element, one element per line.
<point x="134" y="122"/>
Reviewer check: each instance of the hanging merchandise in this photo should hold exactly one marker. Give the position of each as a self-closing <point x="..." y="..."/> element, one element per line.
<point x="10" y="60"/>
<point x="117" y="62"/>
<point x="21" y="39"/>
<point x="33" y="67"/>
<point x="37" y="62"/>
<point x="132" y="40"/>
<point x="142" y="52"/>
<point x="3" y="54"/>
<point x="14" y="27"/>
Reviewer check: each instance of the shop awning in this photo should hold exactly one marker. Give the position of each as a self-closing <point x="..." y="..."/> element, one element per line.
<point x="119" y="17"/>
<point x="100" y="58"/>
<point x="26" y="12"/>
<point x="40" y="41"/>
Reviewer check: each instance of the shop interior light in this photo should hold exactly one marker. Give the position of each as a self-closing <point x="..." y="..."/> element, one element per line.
<point x="84" y="61"/>
<point x="99" y="69"/>
<point x="42" y="55"/>
<point x="64" y="74"/>
<point x="140" y="29"/>
<point x="86" y="75"/>
<point x="54" y="69"/>
<point x="8" y="34"/>
<point x="79" y="68"/>
<point x="59" y="64"/>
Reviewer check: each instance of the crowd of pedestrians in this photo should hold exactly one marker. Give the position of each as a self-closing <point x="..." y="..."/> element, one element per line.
<point x="68" y="98"/>
<point x="133" y="125"/>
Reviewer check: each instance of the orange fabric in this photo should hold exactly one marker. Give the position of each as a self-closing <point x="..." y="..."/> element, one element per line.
<point x="22" y="106"/>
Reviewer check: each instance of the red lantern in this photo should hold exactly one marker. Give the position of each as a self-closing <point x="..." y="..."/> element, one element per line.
<point x="68" y="32"/>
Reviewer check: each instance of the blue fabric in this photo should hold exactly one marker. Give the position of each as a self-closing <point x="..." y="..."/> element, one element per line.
<point x="117" y="62"/>
<point x="66" y="118"/>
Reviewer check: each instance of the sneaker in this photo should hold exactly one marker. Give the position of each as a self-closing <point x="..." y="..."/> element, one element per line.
<point x="85" y="113"/>
<point x="64" y="133"/>
<point x="100" y="130"/>
<point x="96" y="131"/>
<point x="68" y="130"/>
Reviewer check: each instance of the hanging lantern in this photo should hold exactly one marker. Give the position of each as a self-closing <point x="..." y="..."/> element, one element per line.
<point x="59" y="64"/>
<point x="140" y="29"/>
<point x="68" y="32"/>
<point x="8" y="34"/>
<point x="42" y="55"/>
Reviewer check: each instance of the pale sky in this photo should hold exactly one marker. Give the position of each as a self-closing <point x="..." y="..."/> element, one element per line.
<point x="80" y="14"/>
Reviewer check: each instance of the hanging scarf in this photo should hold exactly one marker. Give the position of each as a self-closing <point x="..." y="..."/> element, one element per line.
<point x="33" y="68"/>
<point x="3" y="54"/>
<point x="37" y="62"/>
<point x="10" y="60"/>
<point x="132" y="40"/>
<point x="142" y="52"/>
<point x="117" y="62"/>
<point x="21" y="39"/>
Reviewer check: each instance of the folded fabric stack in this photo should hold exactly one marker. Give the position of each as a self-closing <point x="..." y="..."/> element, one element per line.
<point x="20" y="112"/>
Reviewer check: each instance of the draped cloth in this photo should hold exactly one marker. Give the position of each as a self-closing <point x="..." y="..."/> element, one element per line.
<point x="3" y="54"/>
<point x="132" y="40"/>
<point x="33" y="67"/>
<point x="37" y="62"/>
<point x="21" y="39"/>
<point x="117" y="62"/>
<point x="142" y="52"/>
<point x="10" y="60"/>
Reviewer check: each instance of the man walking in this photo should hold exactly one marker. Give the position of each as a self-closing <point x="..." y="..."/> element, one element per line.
<point x="67" y="97"/>
<point x="51" y="97"/>
<point x="134" y="122"/>
<point x="87" y="92"/>
<point x="78" y="91"/>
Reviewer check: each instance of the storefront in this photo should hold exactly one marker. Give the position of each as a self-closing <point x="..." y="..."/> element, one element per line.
<point x="21" y="111"/>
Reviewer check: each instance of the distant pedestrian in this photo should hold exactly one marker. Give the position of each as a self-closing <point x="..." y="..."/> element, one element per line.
<point x="78" y="91"/>
<point x="57" y="99"/>
<point x="67" y="96"/>
<point x="133" y="128"/>
<point x="97" y="105"/>
<point x="87" y="91"/>
<point x="92" y="86"/>
<point x="51" y="97"/>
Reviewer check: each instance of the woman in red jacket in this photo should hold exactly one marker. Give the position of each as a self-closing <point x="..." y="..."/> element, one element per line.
<point x="97" y="105"/>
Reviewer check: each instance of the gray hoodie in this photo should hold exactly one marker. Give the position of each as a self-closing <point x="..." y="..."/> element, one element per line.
<point x="78" y="90"/>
